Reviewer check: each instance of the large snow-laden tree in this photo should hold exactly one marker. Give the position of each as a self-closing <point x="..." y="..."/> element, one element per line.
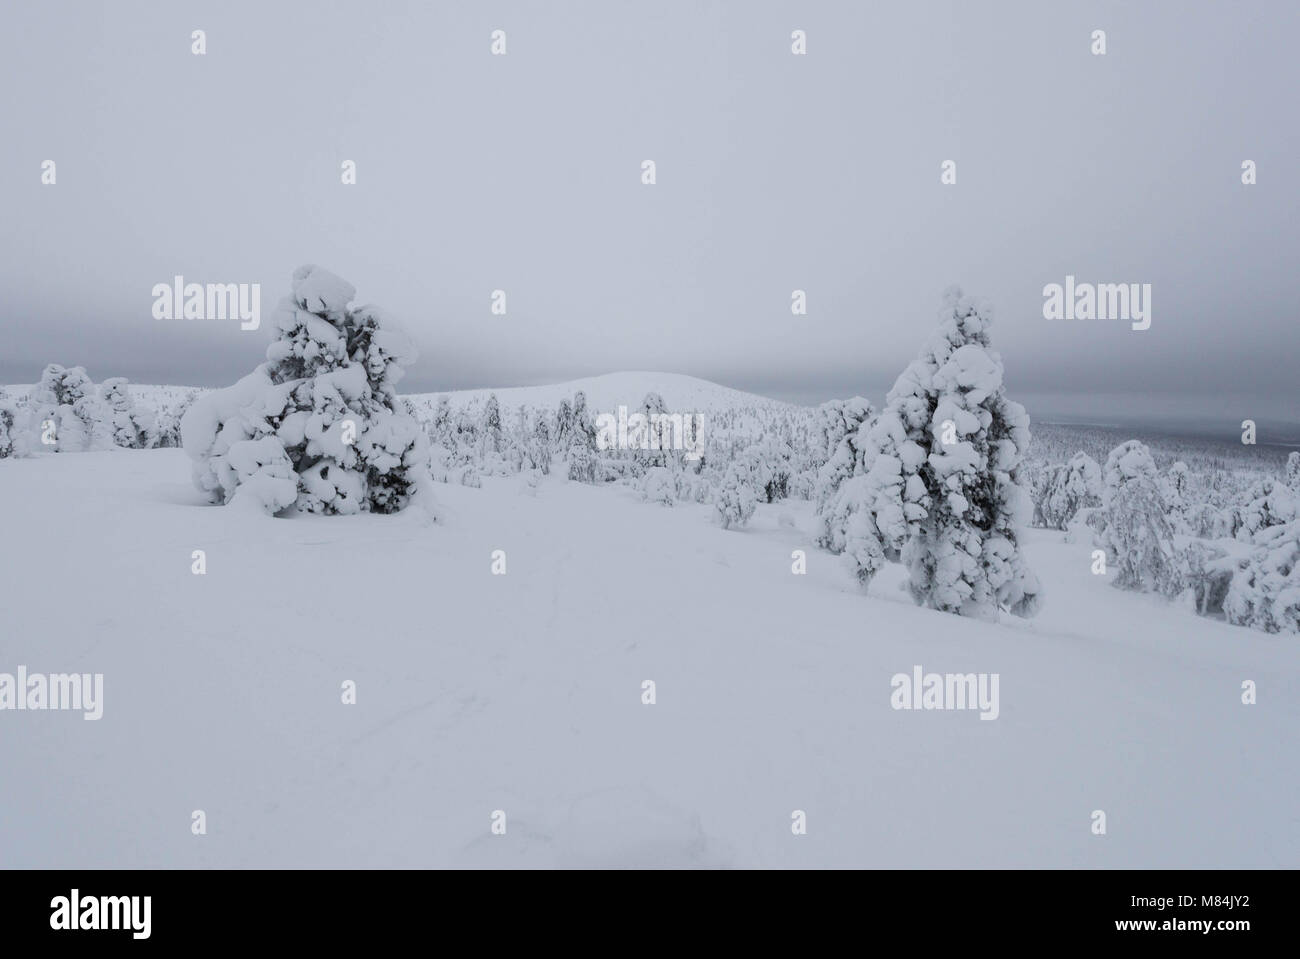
<point x="1137" y="532"/>
<point x="318" y="426"/>
<point x="959" y="442"/>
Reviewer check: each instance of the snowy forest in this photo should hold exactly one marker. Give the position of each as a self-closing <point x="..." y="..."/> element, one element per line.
<point x="942" y="478"/>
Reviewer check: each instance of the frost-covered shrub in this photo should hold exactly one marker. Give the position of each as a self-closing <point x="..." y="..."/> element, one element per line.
<point x="324" y="403"/>
<point x="657" y="486"/>
<point x="133" y="427"/>
<point x="1265" y="592"/>
<point x="735" y="501"/>
<point x="1065" y="489"/>
<point x="1138" y="535"/>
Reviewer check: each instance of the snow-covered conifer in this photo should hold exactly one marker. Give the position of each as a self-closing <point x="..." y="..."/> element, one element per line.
<point x="1269" y="503"/>
<point x="735" y="501"/>
<point x="1066" y="489"/>
<point x="325" y="399"/>
<point x="1138" y="535"/>
<point x="1265" y="591"/>
<point x="134" y="427"/>
<point x="492" y="424"/>
<point x="960" y="443"/>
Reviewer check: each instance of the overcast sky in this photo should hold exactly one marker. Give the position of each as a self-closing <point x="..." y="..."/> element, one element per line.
<point x="775" y="172"/>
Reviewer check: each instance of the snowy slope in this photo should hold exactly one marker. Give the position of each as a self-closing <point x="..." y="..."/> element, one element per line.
<point x="522" y="693"/>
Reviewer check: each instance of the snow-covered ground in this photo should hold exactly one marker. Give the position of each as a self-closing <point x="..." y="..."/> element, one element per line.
<point x="522" y="692"/>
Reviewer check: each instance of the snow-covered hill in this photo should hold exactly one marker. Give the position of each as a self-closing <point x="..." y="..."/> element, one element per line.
<point x="628" y="388"/>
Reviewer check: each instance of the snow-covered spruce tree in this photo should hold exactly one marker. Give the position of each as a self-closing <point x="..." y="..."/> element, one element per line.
<point x="1137" y="533"/>
<point x="318" y="426"/>
<point x="1265" y="591"/>
<point x="442" y="427"/>
<point x="1068" y="488"/>
<point x="1177" y="493"/>
<point x="841" y="422"/>
<point x="583" y="457"/>
<point x="865" y="521"/>
<point x="492" y="424"/>
<point x="134" y="427"/>
<point x="563" y="425"/>
<point x="1293" y="472"/>
<point x="960" y="444"/>
<point x="735" y="501"/>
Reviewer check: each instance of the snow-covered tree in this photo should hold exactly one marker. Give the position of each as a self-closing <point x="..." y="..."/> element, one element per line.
<point x="1265" y="591"/>
<point x="66" y="398"/>
<point x="582" y="463"/>
<point x="1065" y="489"/>
<point x="735" y="501"/>
<point x="134" y="427"/>
<point x="170" y="416"/>
<point x="1137" y="534"/>
<point x="492" y="424"/>
<point x="960" y="443"/>
<point x="658" y="435"/>
<point x="1293" y="471"/>
<point x="442" y="422"/>
<point x="1269" y="503"/>
<point x="658" y="486"/>
<point x="1208" y="522"/>
<point x="563" y="425"/>
<point x="318" y="426"/>
<point x="840" y="422"/>
<point x="8" y="428"/>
